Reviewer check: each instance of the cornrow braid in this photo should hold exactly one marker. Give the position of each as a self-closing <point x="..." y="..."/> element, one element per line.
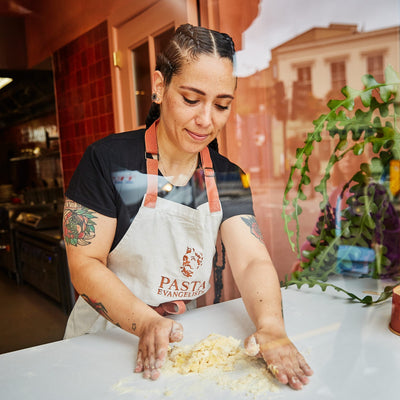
<point x="187" y="44"/>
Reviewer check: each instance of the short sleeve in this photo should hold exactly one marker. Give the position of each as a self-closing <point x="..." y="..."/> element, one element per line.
<point x="91" y="184"/>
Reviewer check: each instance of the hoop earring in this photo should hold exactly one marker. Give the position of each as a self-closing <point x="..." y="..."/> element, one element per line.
<point x="154" y="97"/>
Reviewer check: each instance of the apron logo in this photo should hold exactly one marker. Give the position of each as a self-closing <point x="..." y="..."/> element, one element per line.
<point x="192" y="261"/>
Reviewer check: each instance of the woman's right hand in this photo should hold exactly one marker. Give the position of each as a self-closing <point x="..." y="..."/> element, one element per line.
<point x="153" y="345"/>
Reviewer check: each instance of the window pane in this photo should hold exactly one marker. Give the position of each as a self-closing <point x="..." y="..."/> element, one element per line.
<point x="375" y="67"/>
<point x="142" y="81"/>
<point x="161" y="40"/>
<point x="338" y="74"/>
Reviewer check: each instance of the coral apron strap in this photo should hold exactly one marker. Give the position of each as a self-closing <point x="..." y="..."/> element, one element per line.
<point x="171" y="307"/>
<point x="209" y="177"/>
<point x="151" y="155"/>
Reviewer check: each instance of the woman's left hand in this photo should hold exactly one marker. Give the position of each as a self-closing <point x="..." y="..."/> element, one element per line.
<point x="283" y="359"/>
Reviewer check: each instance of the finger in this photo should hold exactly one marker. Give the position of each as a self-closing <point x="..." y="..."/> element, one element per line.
<point x="162" y="342"/>
<point x="305" y="367"/>
<point x="302" y="377"/>
<point x="146" y="368"/>
<point x="251" y="346"/>
<point x="294" y="382"/>
<point x="161" y="356"/>
<point x="303" y="371"/>
<point x="278" y="372"/>
<point x="152" y="367"/>
<point x="139" y="362"/>
<point x="148" y="358"/>
<point x="155" y="374"/>
<point x="176" y="333"/>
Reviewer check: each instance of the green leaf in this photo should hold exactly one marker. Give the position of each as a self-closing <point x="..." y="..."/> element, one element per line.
<point x="366" y="98"/>
<point x="358" y="177"/>
<point x="367" y="300"/>
<point x="369" y="222"/>
<point x="306" y="180"/>
<point x="320" y="187"/>
<point x="302" y="196"/>
<point x="319" y="122"/>
<point x="342" y="144"/>
<point x="383" y="108"/>
<point x="358" y="148"/>
<point x="308" y="148"/>
<point x="351" y="93"/>
<point x="334" y="104"/>
<point x="369" y="81"/>
<point x="391" y="76"/>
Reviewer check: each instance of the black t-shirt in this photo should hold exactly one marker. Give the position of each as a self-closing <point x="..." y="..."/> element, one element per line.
<point x="111" y="180"/>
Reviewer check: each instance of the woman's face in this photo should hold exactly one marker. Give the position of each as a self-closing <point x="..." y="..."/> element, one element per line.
<point x="196" y="104"/>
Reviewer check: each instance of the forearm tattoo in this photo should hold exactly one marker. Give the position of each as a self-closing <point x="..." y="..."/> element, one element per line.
<point x="251" y="222"/>
<point x="79" y="227"/>
<point x="99" y="307"/>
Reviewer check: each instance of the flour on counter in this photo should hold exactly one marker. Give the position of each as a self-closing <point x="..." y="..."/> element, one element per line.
<point x="221" y="359"/>
<point x="195" y="371"/>
<point x="128" y="385"/>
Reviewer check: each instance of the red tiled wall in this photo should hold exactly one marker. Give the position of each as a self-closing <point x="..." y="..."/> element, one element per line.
<point x="84" y="95"/>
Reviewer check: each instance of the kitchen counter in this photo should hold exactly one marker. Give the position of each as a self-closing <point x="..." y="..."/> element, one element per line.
<point x="350" y="347"/>
<point x="53" y="236"/>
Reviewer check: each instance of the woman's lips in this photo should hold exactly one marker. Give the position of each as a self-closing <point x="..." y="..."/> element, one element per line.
<point x="197" y="136"/>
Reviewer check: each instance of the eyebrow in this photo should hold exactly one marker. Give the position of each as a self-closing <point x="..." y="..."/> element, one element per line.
<point x="198" y="91"/>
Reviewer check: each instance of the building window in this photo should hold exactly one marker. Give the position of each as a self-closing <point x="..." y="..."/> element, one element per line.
<point x="301" y="93"/>
<point x="304" y="78"/>
<point x="375" y="67"/>
<point x="338" y="75"/>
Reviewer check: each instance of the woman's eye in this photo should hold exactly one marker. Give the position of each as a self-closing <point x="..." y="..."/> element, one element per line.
<point x="222" y="108"/>
<point x="188" y="101"/>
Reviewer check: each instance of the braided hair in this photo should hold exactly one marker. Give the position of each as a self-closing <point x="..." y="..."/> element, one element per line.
<point x="187" y="44"/>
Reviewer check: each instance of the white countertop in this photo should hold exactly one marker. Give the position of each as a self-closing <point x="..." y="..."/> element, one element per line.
<point x="350" y="347"/>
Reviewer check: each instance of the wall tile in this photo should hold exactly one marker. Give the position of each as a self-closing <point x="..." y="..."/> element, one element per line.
<point x="84" y="95"/>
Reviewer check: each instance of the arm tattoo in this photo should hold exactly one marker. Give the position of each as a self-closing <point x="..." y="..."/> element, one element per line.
<point x="99" y="307"/>
<point x="79" y="227"/>
<point x="251" y="222"/>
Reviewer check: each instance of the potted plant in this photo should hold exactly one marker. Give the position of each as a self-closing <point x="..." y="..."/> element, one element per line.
<point x="365" y="119"/>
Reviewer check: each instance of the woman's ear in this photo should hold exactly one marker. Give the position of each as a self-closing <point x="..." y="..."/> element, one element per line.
<point x="158" y="87"/>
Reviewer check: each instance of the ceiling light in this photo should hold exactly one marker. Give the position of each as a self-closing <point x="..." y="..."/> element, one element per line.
<point x="4" y="82"/>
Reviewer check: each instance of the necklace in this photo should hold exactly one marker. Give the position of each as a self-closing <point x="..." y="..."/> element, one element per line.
<point x="182" y="178"/>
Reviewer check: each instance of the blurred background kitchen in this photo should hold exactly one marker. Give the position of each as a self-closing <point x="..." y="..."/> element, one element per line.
<point x="72" y="72"/>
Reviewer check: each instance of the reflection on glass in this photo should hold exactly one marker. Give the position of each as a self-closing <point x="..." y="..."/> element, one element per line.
<point x="338" y="75"/>
<point x="142" y="82"/>
<point x="162" y="39"/>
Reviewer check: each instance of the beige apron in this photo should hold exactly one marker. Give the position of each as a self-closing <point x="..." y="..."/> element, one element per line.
<point x="166" y="255"/>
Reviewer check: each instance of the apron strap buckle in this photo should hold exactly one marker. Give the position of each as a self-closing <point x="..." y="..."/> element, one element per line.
<point x="209" y="172"/>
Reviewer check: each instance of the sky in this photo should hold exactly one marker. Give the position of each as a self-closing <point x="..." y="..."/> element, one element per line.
<point x="281" y="20"/>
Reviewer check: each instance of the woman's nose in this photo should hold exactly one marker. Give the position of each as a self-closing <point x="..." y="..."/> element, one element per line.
<point x="203" y="117"/>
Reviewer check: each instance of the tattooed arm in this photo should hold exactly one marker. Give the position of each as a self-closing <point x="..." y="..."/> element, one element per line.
<point x="88" y="236"/>
<point x="258" y="283"/>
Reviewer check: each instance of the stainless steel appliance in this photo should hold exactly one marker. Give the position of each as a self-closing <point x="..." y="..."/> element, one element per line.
<point x="41" y="257"/>
<point x="33" y="251"/>
<point x="8" y="214"/>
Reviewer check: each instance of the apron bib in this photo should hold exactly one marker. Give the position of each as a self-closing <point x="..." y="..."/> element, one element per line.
<point x="167" y="253"/>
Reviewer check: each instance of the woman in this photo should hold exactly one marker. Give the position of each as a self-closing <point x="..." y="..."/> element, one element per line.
<point x="134" y="260"/>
